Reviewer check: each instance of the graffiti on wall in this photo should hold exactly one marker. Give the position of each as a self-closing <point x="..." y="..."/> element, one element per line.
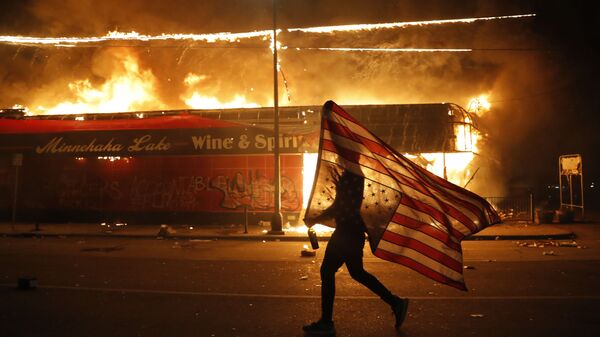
<point x="185" y="193"/>
<point x="176" y="193"/>
<point x="255" y="191"/>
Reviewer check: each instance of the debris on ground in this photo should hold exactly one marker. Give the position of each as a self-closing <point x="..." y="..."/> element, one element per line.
<point x="468" y="267"/>
<point x="551" y="252"/>
<point x="303" y="277"/>
<point x="307" y="252"/>
<point x="106" y="249"/>
<point x="164" y="231"/>
<point x="27" y="283"/>
<point x="477" y="315"/>
<point x="549" y="243"/>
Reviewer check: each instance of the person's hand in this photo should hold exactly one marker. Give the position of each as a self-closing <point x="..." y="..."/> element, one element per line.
<point x="309" y="222"/>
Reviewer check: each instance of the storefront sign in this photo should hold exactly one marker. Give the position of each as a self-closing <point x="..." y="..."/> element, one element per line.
<point x="153" y="142"/>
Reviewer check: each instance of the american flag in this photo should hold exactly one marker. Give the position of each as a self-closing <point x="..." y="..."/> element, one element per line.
<point x="412" y="216"/>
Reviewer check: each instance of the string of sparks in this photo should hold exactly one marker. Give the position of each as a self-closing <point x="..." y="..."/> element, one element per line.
<point x="265" y="34"/>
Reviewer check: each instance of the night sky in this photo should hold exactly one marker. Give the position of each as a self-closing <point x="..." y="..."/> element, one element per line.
<point x="541" y="73"/>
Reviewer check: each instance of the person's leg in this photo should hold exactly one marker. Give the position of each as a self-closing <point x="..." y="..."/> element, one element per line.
<point x="331" y="263"/>
<point x="357" y="272"/>
<point x="399" y="305"/>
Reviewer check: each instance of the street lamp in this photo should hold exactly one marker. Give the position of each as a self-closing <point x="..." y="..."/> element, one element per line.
<point x="277" y="219"/>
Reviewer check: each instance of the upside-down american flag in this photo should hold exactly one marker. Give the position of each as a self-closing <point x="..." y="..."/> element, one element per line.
<point x="412" y="216"/>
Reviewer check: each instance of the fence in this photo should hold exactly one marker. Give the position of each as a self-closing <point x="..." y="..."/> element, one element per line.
<point x="513" y="208"/>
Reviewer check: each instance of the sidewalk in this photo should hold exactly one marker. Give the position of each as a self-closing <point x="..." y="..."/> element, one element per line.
<point x="504" y="231"/>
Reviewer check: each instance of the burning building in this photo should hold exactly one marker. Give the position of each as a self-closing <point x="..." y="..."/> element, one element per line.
<point x="190" y="166"/>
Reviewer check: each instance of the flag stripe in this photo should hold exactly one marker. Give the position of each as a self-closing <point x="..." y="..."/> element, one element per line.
<point x="419" y="246"/>
<point x="419" y="257"/>
<point x="354" y="156"/>
<point x="370" y="143"/>
<point x="466" y="225"/>
<point x="489" y="214"/>
<point x="443" y="248"/>
<point x="436" y="276"/>
<point x="351" y="124"/>
<point x="413" y="170"/>
<point x="404" y="170"/>
<point x="373" y="143"/>
<point x="357" y="157"/>
<point x="401" y="219"/>
<point x="447" y="194"/>
<point x="435" y="213"/>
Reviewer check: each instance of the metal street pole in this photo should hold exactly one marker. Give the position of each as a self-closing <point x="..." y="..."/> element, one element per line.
<point x="277" y="220"/>
<point x="17" y="161"/>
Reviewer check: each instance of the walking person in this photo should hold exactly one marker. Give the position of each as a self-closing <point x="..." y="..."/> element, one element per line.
<point x="346" y="247"/>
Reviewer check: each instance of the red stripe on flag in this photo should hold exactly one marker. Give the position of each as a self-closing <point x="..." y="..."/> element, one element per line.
<point x="338" y="110"/>
<point x="355" y="157"/>
<point x="344" y="131"/>
<point x="440" y="184"/>
<point x="425" y="208"/>
<point x="479" y="211"/>
<point x="418" y="246"/>
<point x="476" y="210"/>
<point x="403" y="260"/>
<point x="428" y="229"/>
<point x="418" y="172"/>
<point x="350" y="155"/>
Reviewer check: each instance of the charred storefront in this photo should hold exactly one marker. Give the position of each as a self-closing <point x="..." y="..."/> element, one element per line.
<point x="192" y="166"/>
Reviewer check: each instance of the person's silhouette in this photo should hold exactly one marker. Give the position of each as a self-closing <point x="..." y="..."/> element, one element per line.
<point x="346" y="246"/>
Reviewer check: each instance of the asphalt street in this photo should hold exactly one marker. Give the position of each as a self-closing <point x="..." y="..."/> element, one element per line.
<point x="149" y="287"/>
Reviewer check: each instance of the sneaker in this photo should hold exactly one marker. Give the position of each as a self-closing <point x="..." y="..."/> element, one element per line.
<point x="319" y="328"/>
<point x="400" y="309"/>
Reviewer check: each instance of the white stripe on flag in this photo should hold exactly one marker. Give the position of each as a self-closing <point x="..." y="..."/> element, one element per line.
<point x="420" y="258"/>
<point x="425" y="239"/>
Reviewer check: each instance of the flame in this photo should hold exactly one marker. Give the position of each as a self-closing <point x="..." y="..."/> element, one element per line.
<point x="115" y="36"/>
<point x="397" y="50"/>
<point x="302" y="229"/>
<point x="195" y="100"/>
<point x="346" y="28"/>
<point x="479" y="105"/>
<point x="128" y="89"/>
<point x="453" y="166"/>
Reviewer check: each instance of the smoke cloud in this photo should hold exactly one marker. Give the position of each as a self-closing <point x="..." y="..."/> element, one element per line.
<point x="512" y="62"/>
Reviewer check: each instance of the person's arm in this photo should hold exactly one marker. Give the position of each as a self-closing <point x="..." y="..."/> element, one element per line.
<point x="327" y="214"/>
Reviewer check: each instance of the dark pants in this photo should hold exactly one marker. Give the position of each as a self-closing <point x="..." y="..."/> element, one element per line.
<point x="336" y="254"/>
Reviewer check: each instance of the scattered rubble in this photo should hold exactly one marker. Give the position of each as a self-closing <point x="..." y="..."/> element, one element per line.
<point x="549" y="243"/>
<point x="307" y="252"/>
<point x="164" y="231"/>
<point x="27" y="283"/>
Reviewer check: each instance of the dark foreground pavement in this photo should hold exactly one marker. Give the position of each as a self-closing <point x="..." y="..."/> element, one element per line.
<point x="115" y="286"/>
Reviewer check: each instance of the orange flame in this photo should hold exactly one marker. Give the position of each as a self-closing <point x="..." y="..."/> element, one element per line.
<point x="479" y="105"/>
<point x="195" y="100"/>
<point x="128" y="89"/>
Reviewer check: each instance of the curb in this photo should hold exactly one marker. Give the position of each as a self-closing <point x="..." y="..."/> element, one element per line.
<point x="266" y="237"/>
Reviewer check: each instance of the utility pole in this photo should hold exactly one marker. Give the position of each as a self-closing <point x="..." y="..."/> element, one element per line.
<point x="277" y="220"/>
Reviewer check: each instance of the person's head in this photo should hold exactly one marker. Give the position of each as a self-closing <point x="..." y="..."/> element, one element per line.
<point x="349" y="189"/>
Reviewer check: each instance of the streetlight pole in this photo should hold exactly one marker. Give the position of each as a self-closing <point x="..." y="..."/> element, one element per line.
<point x="277" y="220"/>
